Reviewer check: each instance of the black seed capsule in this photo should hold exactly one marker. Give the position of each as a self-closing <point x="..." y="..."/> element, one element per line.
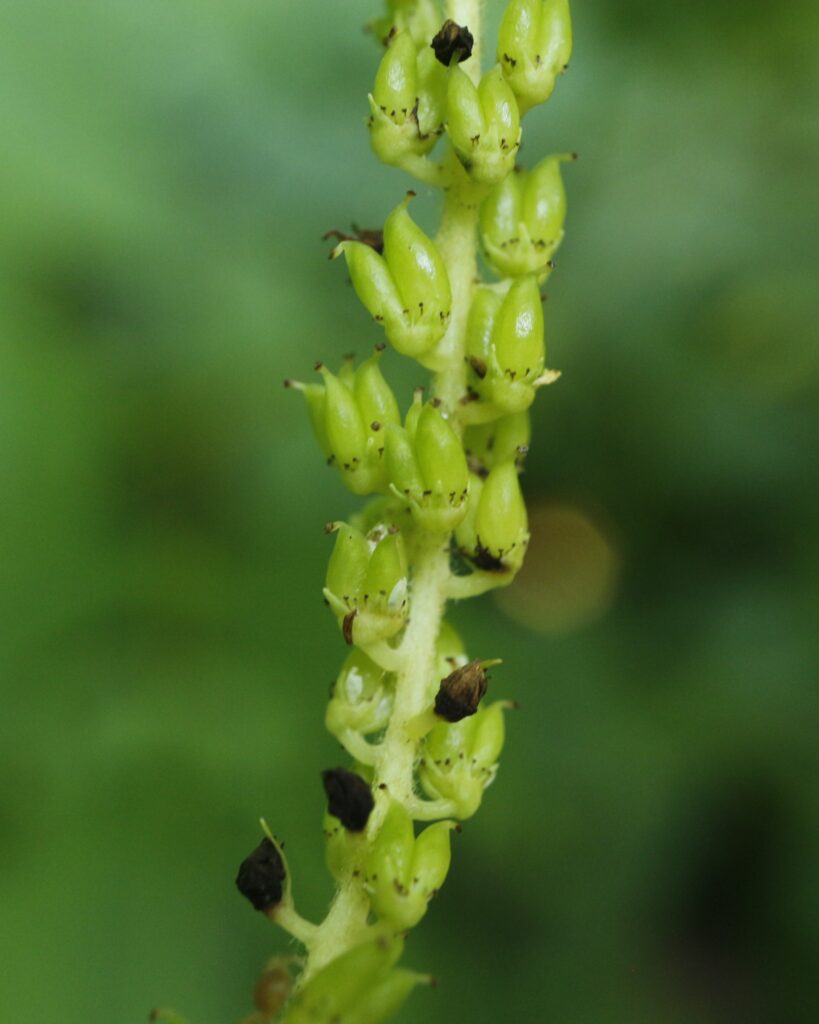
<point x="461" y="692"/>
<point x="453" y="42"/>
<point x="348" y="798"/>
<point x="261" y="876"/>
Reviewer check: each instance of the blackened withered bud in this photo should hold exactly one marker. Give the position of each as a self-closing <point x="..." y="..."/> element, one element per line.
<point x="348" y="798"/>
<point x="261" y="876"/>
<point x="461" y="692"/>
<point x="453" y="42"/>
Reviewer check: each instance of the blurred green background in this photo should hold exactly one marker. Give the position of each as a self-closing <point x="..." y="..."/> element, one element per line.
<point x="649" y="852"/>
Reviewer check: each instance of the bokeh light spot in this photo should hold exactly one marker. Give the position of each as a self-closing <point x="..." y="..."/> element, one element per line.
<point x="569" y="578"/>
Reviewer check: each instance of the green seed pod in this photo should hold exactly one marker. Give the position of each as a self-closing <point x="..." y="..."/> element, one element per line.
<point x="494" y="533"/>
<point x="388" y="564"/>
<point x="427" y="469"/>
<point x="501" y="522"/>
<point x="518" y="335"/>
<point x="466" y="533"/>
<point x="521" y="220"/>
<point x="503" y="440"/>
<point x="315" y="396"/>
<point x="362" y="697"/>
<point x="439" y="453"/>
<point x="403" y="873"/>
<point x="420" y="18"/>
<point x="407" y="288"/>
<point x="347" y="568"/>
<point x="483" y="124"/>
<point x="345" y="983"/>
<point x="459" y="760"/>
<point x="534" y="47"/>
<point x="505" y="347"/>
<point x="408" y="102"/>
<point x="348" y="413"/>
<point x="346" y="433"/>
<point x="374" y="396"/>
<point x="385" y="998"/>
<point x="366" y="583"/>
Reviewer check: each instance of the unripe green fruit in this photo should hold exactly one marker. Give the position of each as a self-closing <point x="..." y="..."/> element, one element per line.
<point x="494" y="533"/>
<point x="426" y="467"/>
<point x="407" y="288"/>
<point x="501" y="523"/>
<point x="420" y="18"/>
<point x="503" y="440"/>
<point x="362" y="697"/>
<point x="404" y="872"/>
<point x="505" y="346"/>
<point x="459" y="760"/>
<point x="483" y="124"/>
<point x="348" y="413"/>
<point x="385" y="998"/>
<point x="521" y="220"/>
<point x="345" y="983"/>
<point x="367" y="583"/>
<point x="408" y="101"/>
<point x="534" y="47"/>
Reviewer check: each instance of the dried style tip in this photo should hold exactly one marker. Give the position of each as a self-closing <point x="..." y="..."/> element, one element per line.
<point x="374" y="237"/>
<point x="453" y="43"/>
<point x="461" y="692"/>
<point x="261" y="876"/>
<point x="348" y="798"/>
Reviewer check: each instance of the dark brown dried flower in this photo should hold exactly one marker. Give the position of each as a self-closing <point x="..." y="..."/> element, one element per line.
<point x="261" y="876"/>
<point x="348" y="798"/>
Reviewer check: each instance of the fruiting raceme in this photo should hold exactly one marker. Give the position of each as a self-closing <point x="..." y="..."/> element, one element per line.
<point x="404" y="872"/>
<point x="483" y="124"/>
<point x="521" y="220"/>
<point x="534" y="47"/>
<point x="505" y="348"/>
<point x="349" y="413"/>
<point x="407" y="288"/>
<point x="459" y="760"/>
<point x="367" y="583"/>
<point x="447" y="518"/>
<point x="408" y="101"/>
<point x="426" y="467"/>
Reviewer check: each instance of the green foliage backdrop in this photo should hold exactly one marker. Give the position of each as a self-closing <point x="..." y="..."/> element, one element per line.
<point x="649" y="850"/>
